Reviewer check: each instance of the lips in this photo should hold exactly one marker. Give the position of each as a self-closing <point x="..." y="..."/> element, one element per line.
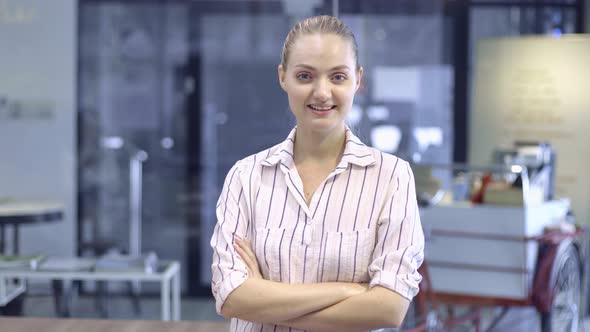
<point x="321" y="110"/>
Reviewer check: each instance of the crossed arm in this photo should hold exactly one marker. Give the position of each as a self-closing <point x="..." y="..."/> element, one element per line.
<point x="317" y="307"/>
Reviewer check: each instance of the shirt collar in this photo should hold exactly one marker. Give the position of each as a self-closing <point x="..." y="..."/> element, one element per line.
<point x="355" y="152"/>
<point x="283" y="153"/>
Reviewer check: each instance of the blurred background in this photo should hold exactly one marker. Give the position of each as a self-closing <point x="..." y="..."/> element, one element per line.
<point x="190" y="87"/>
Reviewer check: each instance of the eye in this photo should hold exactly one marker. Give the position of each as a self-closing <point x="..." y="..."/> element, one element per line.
<point x="304" y="76"/>
<point x="339" y="77"/>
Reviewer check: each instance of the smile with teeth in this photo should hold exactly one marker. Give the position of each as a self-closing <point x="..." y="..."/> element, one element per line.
<point x="321" y="108"/>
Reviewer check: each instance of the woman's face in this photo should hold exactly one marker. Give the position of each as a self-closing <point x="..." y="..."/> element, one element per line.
<point x="320" y="81"/>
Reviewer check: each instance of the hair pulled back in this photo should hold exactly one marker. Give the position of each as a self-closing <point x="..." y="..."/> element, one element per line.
<point x="318" y="25"/>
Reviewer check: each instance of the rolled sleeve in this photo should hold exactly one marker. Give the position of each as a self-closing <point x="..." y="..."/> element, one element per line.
<point x="399" y="250"/>
<point x="228" y="269"/>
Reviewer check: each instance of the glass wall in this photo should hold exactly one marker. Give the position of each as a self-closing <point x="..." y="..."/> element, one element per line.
<point x="132" y="98"/>
<point x="504" y="21"/>
<point x="405" y="106"/>
<point x="194" y="85"/>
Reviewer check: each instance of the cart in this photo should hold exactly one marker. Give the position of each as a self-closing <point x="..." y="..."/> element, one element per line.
<point x="507" y="252"/>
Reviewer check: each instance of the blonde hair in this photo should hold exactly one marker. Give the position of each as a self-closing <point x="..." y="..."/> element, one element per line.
<point x="321" y="25"/>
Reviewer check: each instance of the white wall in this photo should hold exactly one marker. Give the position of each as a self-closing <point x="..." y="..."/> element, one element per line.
<point x="536" y="89"/>
<point x="37" y="150"/>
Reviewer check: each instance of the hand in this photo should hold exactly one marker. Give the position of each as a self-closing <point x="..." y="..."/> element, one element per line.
<point x="358" y="288"/>
<point x="249" y="258"/>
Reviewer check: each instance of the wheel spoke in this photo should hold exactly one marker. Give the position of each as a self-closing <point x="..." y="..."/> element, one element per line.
<point x="564" y="313"/>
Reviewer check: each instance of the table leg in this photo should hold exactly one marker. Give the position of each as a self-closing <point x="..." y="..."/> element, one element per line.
<point x="15" y="244"/>
<point x="176" y="296"/>
<point x="165" y="299"/>
<point x="62" y="295"/>
<point x="133" y="288"/>
<point x="57" y="288"/>
<point x="2" y="238"/>
<point x="3" y="291"/>
<point x="17" y="303"/>
<point x="101" y="298"/>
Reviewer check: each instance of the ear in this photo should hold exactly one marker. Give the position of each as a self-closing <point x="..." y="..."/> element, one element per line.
<point x="282" y="77"/>
<point x="359" y="79"/>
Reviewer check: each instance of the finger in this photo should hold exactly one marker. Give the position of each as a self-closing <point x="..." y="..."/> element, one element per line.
<point x="246" y="246"/>
<point x="251" y="257"/>
<point x="245" y="257"/>
<point x="250" y="270"/>
<point x="241" y="252"/>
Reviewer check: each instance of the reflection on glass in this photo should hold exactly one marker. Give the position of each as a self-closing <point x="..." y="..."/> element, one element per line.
<point x="195" y="86"/>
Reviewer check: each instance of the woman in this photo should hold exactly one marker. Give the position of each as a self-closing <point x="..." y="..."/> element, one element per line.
<point x="319" y="232"/>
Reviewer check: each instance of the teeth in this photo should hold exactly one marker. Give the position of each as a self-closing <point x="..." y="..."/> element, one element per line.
<point x="321" y="108"/>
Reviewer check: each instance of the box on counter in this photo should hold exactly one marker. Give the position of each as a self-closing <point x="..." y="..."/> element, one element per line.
<point x="486" y="250"/>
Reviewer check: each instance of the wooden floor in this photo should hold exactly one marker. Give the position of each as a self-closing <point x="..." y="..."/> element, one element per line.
<point x="197" y="313"/>
<point x="28" y="324"/>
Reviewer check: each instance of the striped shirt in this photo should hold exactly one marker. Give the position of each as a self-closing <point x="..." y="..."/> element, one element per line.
<point x="362" y="224"/>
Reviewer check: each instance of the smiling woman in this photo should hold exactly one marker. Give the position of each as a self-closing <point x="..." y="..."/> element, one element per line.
<point x="334" y="242"/>
<point x="321" y="81"/>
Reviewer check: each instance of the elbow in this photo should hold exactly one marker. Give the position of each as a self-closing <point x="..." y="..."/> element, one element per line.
<point x="227" y="310"/>
<point x="393" y="308"/>
<point x="234" y="308"/>
<point x="393" y="320"/>
<point x="393" y="316"/>
<point x="235" y="304"/>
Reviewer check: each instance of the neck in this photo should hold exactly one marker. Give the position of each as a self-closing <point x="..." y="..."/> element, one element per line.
<point x="324" y="147"/>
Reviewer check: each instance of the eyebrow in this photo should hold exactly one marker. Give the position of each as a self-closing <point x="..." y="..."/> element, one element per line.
<point x="341" y="67"/>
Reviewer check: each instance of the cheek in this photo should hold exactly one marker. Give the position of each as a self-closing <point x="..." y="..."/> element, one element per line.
<point x="346" y="94"/>
<point x="297" y="96"/>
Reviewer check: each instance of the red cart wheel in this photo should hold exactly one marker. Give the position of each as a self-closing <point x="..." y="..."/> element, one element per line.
<point x="566" y="284"/>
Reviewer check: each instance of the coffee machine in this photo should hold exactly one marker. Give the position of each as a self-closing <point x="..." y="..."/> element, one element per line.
<point x="539" y="160"/>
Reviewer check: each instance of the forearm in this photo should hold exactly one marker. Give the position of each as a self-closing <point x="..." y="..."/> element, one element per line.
<point x="266" y="301"/>
<point x="377" y="308"/>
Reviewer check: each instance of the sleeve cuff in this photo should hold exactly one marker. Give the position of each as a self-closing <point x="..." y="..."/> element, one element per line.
<point x="225" y="287"/>
<point x="405" y="285"/>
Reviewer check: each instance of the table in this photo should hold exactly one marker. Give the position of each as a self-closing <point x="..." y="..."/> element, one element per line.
<point x="167" y="274"/>
<point x="19" y="212"/>
<point x="16" y="213"/>
<point x="26" y="324"/>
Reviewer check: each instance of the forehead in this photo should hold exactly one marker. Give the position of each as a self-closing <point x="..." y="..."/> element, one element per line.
<point x="321" y="50"/>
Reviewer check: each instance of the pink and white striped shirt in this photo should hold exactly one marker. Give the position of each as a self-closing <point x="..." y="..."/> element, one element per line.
<point x="362" y="224"/>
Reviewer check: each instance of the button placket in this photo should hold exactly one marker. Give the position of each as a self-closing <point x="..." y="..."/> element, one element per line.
<point x="296" y="188"/>
<point x="308" y="234"/>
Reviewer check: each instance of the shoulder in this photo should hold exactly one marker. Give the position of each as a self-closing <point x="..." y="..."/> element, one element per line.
<point x="396" y="173"/>
<point x="389" y="163"/>
<point x="253" y="161"/>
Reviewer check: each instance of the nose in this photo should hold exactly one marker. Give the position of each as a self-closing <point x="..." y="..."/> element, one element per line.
<point x="321" y="91"/>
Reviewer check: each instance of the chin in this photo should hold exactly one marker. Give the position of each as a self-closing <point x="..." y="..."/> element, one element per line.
<point x="322" y="125"/>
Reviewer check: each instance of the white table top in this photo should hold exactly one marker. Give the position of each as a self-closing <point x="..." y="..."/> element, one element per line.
<point x="19" y="208"/>
<point x="166" y="270"/>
